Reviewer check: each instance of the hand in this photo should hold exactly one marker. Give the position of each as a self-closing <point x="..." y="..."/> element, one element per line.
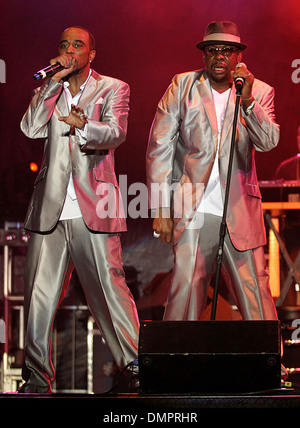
<point x="248" y="83"/>
<point x="76" y="118"/>
<point x="66" y="61"/>
<point x="163" y="225"/>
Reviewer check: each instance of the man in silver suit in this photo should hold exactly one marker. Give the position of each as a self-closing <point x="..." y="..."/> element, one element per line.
<point x="189" y="146"/>
<point x="76" y="214"/>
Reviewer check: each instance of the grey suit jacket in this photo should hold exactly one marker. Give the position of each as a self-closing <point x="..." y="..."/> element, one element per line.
<point x="91" y="160"/>
<point x="183" y="145"/>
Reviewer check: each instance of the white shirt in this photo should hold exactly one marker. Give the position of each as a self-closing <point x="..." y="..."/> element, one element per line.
<point x="71" y="207"/>
<point x="212" y="202"/>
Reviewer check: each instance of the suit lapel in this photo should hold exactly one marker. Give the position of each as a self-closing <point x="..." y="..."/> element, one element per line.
<point x="62" y="105"/>
<point x="209" y="107"/>
<point x="207" y="100"/>
<point x="94" y="81"/>
<point x="89" y="91"/>
<point x="228" y="119"/>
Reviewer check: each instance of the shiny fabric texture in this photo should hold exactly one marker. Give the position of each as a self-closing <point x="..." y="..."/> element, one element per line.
<point x="182" y="148"/>
<point x="105" y="101"/>
<point x="90" y="243"/>
<point x="244" y="272"/>
<point x="183" y="144"/>
<point x="98" y="262"/>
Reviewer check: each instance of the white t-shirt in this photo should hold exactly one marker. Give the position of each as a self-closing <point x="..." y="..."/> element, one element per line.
<point x="212" y="202"/>
<point x="71" y="207"/>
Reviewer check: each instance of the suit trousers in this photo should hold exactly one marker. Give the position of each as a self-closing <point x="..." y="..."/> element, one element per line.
<point x="244" y="272"/>
<point x="97" y="258"/>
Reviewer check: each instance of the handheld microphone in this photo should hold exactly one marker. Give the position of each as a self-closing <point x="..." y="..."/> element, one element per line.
<point x="239" y="81"/>
<point x="48" y="71"/>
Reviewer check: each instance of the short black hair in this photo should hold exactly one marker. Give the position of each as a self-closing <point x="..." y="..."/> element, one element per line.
<point x="91" y="37"/>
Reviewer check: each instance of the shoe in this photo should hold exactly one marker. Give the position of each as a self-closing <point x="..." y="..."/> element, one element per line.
<point x="132" y="373"/>
<point x="28" y="388"/>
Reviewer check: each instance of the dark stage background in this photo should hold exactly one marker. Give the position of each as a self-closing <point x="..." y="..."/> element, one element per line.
<point x="143" y="43"/>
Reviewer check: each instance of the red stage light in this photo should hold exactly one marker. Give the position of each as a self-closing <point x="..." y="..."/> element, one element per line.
<point x="33" y="167"/>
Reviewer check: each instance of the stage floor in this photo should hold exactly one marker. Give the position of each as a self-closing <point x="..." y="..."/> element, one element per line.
<point x="138" y="408"/>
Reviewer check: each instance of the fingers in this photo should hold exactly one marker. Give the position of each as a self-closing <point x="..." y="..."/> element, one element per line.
<point x="242" y="71"/>
<point x="67" y="62"/>
<point x="80" y="117"/>
<point x="245" y="73"/>
<point x="164" y="236"/>
<point x="163" y="229"/>
<point x="76" y="117"/>
<point x="78" y="112"/>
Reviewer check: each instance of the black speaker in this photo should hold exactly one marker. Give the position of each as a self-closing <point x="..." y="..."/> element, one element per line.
<point x="209" y="356"/>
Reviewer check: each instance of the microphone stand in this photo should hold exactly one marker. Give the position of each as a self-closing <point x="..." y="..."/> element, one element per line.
<point x="223" y="225"/>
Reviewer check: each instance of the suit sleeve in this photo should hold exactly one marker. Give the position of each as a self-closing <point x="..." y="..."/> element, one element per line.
<point x="162" y="146"/>
<point x="35" y="120"/>
<point x="111" y="130"/>
<point x="262" y="128"/>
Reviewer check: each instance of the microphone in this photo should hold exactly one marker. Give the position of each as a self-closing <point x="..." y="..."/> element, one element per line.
<point x="48" y="71"/>
<point x="239" y="81"/>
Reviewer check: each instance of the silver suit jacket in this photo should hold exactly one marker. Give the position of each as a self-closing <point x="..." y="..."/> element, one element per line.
<point x="183" y="145"/>
<point x="106" y="103"/>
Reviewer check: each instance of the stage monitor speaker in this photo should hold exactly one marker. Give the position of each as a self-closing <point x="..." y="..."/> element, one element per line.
<point x="209" y="356"/>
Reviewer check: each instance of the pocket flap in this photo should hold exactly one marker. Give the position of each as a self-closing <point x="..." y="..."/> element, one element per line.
<point x="105" y="176"/>
<point x="253" y="190"/>
<point x="41" y="175"/>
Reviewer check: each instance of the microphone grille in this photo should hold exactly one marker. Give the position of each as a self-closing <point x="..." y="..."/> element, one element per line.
<point x="241" y="64"/>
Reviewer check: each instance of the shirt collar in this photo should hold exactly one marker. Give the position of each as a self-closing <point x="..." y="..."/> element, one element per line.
<point x="67" y="84"/>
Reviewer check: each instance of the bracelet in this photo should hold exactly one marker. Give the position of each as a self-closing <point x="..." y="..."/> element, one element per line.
<point x="247" y="99"/>
<point x="250" y="108"/>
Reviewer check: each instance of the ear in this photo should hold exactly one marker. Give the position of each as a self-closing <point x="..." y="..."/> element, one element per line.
<point x="92" y="55"/>
<point x="239" y="56"/>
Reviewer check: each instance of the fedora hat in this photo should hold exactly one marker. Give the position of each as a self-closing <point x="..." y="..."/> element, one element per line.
<point x="219" y="33"/>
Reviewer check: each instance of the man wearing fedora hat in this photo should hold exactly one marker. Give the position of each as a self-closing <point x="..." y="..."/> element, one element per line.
<point x="189" y="144"/>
